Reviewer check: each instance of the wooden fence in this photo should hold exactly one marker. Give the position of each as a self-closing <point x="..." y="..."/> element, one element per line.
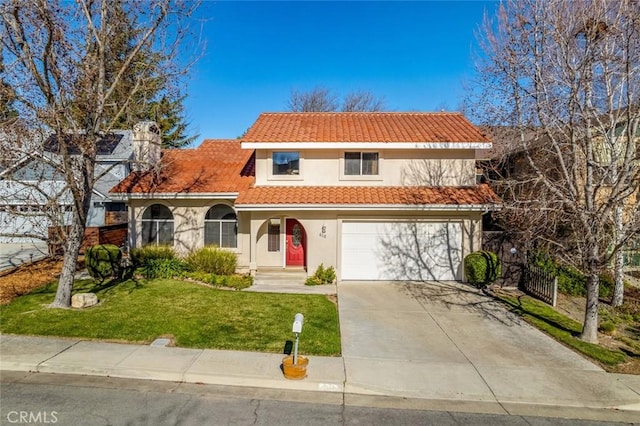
<point x="541" y="285"/>
<point x="109" y="234"/>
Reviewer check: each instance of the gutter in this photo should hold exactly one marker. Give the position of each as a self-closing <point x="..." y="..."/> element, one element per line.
<point x="174" y="196"/>
<point x="377" y="207"/>
<point x="366" y="145"/>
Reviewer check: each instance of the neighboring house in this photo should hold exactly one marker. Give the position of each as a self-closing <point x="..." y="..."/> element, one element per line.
<point x="379" y="196"/>
<point x="33" y="193"/>
<point x="508" y="160"/>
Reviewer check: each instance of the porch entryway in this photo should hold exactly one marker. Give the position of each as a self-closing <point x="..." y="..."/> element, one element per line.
<point x="296" y="244"/>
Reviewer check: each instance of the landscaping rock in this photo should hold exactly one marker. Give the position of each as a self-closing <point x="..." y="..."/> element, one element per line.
<point x="84" y="300"/>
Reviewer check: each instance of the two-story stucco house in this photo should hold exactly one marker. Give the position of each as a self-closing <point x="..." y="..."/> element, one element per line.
<point x="379" y="196"/>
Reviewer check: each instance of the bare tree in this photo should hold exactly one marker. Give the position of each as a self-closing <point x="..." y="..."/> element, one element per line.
<point x="57" y="60"/>
<point x="565" y="78"/>
<point x="361" y="101"/>
<point x="321" y="99"/>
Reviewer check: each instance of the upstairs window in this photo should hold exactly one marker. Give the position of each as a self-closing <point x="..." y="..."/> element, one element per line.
<point x="360" y="163"/>
<point x="221" y="227"/>
<point x="286" y="163"/>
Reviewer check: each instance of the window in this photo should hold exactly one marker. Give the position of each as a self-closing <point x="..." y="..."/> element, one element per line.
<point x="286" y="163"/>
<point x="274" y="236"/>
<point x="360" y="163"/>
<point x="221" y="227"/>
<point x="157" y="225"/>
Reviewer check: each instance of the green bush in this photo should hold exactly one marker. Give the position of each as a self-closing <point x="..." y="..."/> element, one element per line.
<point x="607" y="327"/>
<point x="164" y="268"/>
<point x="482" y="268"/>
<point x="313" y="280"/>
<point x="213" y="260"/>
<point x="103" y="261"/>
<point x="322" y="276"/>
<point x="607" y="284"/>
<point x="140" y="255"/>
<point x="571" y="281"/>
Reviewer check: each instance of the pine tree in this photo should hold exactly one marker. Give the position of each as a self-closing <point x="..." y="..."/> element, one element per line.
<point x="156" y="99"/>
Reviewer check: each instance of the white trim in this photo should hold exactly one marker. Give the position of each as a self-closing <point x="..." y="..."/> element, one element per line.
<point x="285" y="177"/>
<point x="368" y="207"/>
<point x="174" y="196"/>
<point x="360" y="177"/>
<point x="365" y="145"/>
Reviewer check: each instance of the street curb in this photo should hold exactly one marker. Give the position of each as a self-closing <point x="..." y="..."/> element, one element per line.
<point x="608" y="414"/>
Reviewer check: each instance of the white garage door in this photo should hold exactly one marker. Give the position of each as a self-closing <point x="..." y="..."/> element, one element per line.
<point x="401" y="251"/>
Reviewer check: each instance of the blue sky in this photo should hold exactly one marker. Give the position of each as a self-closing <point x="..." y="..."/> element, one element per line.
<point x="414" y="54"/>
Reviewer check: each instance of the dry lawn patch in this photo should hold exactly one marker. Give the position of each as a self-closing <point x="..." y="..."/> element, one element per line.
<point x="26" y="278"/>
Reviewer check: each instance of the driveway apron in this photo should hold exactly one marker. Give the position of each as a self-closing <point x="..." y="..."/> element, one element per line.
<point x="449" y="341"/>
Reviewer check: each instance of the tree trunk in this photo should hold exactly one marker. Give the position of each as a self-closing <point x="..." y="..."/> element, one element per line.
<point x="590" y="327"/>
<point x="65" y="285"/>
<point x="618" y="288"/>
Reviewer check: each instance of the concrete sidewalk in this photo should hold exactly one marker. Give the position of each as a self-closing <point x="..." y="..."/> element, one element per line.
<point x="615" y="398"/>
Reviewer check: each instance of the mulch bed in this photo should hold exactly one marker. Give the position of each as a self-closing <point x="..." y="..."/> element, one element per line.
<point x="26" y="278"/>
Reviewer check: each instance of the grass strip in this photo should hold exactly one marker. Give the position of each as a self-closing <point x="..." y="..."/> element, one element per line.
<point x="560" y="327"/>
<point x="196" y="316"/>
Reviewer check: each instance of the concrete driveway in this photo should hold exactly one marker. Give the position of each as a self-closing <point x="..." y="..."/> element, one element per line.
<point x="16" y="254"/>
<point x="448" y="341"/>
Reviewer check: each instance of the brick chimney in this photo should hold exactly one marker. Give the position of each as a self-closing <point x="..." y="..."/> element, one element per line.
<point x="146" y="146"/>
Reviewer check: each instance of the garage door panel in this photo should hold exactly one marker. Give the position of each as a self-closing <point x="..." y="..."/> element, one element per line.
<point x="401" y="251"/>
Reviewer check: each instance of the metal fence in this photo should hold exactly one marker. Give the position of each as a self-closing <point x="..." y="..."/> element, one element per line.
<point x="541" y="285"/>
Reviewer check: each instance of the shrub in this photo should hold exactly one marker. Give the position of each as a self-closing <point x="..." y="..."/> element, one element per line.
<point x="213" y="260"/>
<point x="164" y="268"/>
<point x="322" y="276"/>
<point x="607" y="283"/>
<point x="482" y="268"/>
<point x="313" y="280"/>
<point x="103" y="261"/>
<point x="607" y="327"/>
<point x="140" y="255"/>
<point x="571" y="281"/>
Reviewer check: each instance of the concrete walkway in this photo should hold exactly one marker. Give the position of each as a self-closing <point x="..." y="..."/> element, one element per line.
<point x="287" y="281"/>
<point x="441" y="347"/>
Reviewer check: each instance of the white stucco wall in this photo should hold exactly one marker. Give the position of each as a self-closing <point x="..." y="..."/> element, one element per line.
<point x="396" y="167"/>
<point x="188" y="225"/>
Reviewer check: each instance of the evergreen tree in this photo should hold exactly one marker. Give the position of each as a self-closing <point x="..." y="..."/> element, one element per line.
<point x="157" y="99"/>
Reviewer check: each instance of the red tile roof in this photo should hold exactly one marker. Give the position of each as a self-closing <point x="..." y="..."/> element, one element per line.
<point x="363" y="127"/>
<point x="217" y="165"/>
<point x="341" y="195"/>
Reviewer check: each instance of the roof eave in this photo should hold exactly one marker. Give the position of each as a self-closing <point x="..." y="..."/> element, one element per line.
<point x="173" y="195"/>
<point x="377" y="207"/>
<point x="366" y="145"/>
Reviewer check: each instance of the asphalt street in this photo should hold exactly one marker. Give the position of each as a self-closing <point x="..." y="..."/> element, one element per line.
<point x="80" y="400"/>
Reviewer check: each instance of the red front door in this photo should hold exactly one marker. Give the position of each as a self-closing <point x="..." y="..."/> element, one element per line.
<point x="295" y="243"/>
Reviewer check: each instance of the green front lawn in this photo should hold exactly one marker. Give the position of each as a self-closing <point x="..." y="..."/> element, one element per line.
<point x="560" y="327"/>
<point x="196" y="316"/>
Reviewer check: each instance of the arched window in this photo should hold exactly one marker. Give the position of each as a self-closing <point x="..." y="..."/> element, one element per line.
<point x="221" y="227"/>
<point x="157" y="225"/>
